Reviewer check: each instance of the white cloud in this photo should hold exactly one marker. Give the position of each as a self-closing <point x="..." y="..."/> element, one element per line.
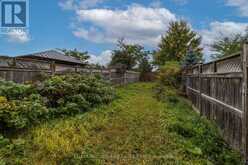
<point x="137" y="24"/>
<point x="180" y="2"/>
<point x="78" y="4"/>
<point x="18" y="36"/>
<point x="156" y="4"/>
<point x="67" y="4"/>
<point x="217" y="30"/>
<point x="241" y="4"/>
<point x="84" y="4"/>
<point x="103" y="59"/>
<point x="140" y="24"/>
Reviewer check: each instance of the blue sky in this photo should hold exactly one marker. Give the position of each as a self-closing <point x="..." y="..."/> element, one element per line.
<point x="95" y="25"/>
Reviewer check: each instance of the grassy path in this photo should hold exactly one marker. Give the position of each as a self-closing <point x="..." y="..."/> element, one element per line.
<point x="134" y="129"/>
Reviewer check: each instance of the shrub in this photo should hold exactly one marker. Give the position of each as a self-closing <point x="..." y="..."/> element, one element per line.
<point x="11" y="152"/>
<point x="168" y="80"/>
<point x="169" y="74"/>
<point x="20" y="105"/>
<point x="82" y="90"/>
<point x="56" y="88"/>
<point x="11" y="90"/>
<point x="24" y="105"/>
<point x="17" y="114"/>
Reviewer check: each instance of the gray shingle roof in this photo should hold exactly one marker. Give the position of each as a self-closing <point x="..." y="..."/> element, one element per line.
<point x="54" y="55"/>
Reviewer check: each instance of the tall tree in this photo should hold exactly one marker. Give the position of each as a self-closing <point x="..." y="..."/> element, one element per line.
<point x="176" y="42"/>
<point x="227" y="45"/>
<point x="145" y="65"/>
<point x="190" y="59"/>
<point x="82" y="56"/>
<point x="145" y="68"/>
<point x="126" y="55"/>
<point x="245" y="36"/>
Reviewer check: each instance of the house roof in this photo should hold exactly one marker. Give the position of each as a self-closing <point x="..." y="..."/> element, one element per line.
<point x="53" y="55"/>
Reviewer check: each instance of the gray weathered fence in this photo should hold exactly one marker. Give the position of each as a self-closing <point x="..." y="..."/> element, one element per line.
<point x="219" y="91"/>
<point x="22" y="70"/>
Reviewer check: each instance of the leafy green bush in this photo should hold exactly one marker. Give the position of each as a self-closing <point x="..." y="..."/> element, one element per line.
<point x="9" y="149"/>
<point x="169" y="74"/>
<point x="56" y="88"/>
<point x="24" y="105"/>
<point x="14" y="91"/>
<point x="168" y="79"/>
<point x="18" y="114"/>
<point x="85" y="91"/>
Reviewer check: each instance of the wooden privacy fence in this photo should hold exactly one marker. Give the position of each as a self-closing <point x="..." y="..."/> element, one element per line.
<point x="22" y="70"/>
<point x="219" y="91"/>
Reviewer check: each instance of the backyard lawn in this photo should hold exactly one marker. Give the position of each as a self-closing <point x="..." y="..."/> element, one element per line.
<point x="134" y="129"/>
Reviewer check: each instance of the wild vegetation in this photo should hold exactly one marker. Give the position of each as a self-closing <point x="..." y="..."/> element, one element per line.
<point x="144" y="123"/>
<point x="23" y="106"/>
<point x="181" y="47"/>
<point x="168" y="80"/>
<point x="136" y="128"/>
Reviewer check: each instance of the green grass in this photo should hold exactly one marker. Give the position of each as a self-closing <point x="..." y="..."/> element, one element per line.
<point x="134" y="129"/>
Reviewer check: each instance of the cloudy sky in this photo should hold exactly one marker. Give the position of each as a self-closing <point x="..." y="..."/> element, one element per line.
<point x="96" y="25"/>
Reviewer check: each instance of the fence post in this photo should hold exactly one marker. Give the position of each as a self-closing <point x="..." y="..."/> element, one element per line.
<point x="14" y="62"/>
<point x="76" y="69"/>
<point x="91" y="71"/>
<point x="53" y="67"/>
<point x="110" y="75"/>
<point x="200" y="88"/>
<point x="186" y="81"/>
<point x="125" y="77"/>
<point x="215" y="67"/>
<point x="244" y="100"/>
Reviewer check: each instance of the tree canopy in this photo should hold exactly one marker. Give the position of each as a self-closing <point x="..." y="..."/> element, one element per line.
<point x="190" y="59"/>
<point x="175" y="44"/>
<point x="228" y="45"/>
<point x="128" y="55"/>
<point x="82" y="56"/>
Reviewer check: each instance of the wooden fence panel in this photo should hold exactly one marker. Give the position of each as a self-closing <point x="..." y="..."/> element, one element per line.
<point x="24" y="70"/>
<point x="218" y="90"/>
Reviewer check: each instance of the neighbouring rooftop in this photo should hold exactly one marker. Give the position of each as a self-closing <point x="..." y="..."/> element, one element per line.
<point x="53" y="55"/>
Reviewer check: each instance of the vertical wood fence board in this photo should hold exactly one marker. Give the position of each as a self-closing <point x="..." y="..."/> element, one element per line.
<point x="244" y="99"/>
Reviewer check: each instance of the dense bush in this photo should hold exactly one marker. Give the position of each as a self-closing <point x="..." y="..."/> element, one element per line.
<point x="84" y="91"/>
<point x="17" y="114"/>
<point x="168" y="79"/>
<point x="24" y="105"/>
<point x="169" y="74"/>
<point x="13" y="91"/>
<point x="8" y="149"/>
